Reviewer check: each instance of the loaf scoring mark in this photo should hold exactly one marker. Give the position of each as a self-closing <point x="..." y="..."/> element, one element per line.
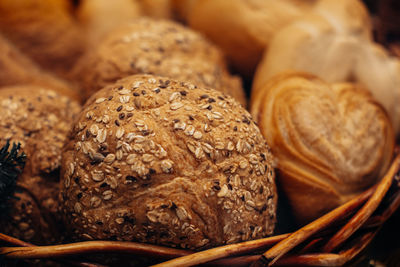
<point x="134" y="159"/>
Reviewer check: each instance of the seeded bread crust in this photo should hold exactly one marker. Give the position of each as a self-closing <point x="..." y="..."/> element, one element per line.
<point x="40" y="120"/>
<point x="163" y="48"/>
<point x="160" y="161"/>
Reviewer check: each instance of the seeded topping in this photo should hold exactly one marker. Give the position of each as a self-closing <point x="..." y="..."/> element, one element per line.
<point x="170" y="162"/>
<point x="158" y="47"/>
<point x="40" y="121"/>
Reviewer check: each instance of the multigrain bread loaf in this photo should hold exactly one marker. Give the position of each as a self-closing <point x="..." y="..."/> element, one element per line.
<point x="242" y="28"/>
<point x="331" y="141"/>
<point x="164" y="48"/>
<point x="334" y="42"/>
<point x="16" y="68"/>
<point x="45" y="30"/>
<point x="39" y="120"/>
<point x="159" y="161"/>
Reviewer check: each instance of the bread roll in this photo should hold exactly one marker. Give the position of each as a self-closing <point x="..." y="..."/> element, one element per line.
<point x="98" y="17"/>
<point x="45" y="30"/>
<point x="318" y="42"/>
<point x="160" y="161"/>
<point x="16" y="68"/>
<point x="334" y="42"/>
<point x="159" y="9"/>
<point x="156" y="47"/>
<point x="331" y="141"/>
<point x="242" y="28"/>
<point x="40" y="122"/>
<point x="380" y="73"/>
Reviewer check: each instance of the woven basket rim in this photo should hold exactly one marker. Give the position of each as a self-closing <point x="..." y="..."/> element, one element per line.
<point x="321" y="245"/>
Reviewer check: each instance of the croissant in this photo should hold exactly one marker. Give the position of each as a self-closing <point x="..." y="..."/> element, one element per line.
<point x="331" y="141"/>
<point x="334" y="42"/>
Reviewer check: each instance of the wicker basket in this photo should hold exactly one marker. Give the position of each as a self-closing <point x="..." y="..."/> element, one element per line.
<point x="332" y="240"/>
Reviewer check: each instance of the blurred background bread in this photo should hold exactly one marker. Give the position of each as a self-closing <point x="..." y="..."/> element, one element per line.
<point x="166" y="162"/>
<point x="331" y="141"/>
<point x="98" y="17"/>
<point x="44" y="30"/>
<point x="159" y="9"/>
<point x="155" y="47"/>
<point x="334" y="42"/>
<point x="242" y="28"/>
<point x="39" y="119"/>
<point x="16" y="68"/>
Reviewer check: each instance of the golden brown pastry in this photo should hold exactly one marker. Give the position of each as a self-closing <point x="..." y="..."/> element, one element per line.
<point x="16" y="68"/>
<point x="45" y="30"/>
<point x="156" y="47"/>
<point x="160" y="161"/>
<point x="98" y="17"/>
<point x="242" y="28"/>
<point x="40" y="122"/>
<point x="159" y="9"/>
<point x="331" y="141"/>
<point x="334" y="42"/>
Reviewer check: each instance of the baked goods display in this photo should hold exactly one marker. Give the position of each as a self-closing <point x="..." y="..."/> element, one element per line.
<point x="156" y="47"/>
<point x="338" y="39"/>
<point x="331" y="141"/>
<point x="242" y="28"/>
<point x="166" y="162"/>
<point x="163" y="161"/>
<point x="45" y="30"/>
<point x="16" y="68"/>
<point x="38" y="119"/>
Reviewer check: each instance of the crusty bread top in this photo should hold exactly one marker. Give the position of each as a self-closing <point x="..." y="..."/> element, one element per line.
<point x="161" y="161"/>
<point x="164" y="48"/>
